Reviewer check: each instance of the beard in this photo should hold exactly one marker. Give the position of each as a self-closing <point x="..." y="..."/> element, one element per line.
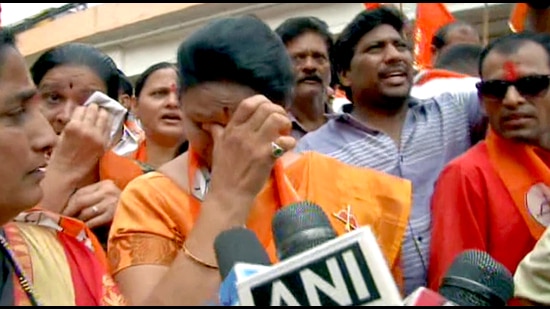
<point x="384" y="101"/>
<point x="391" y="103"/>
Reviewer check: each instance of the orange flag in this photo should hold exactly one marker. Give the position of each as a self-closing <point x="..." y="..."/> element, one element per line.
<point x="372" y="6"/>
<point x="429" y="18"/>
<point x="516" y="22"/>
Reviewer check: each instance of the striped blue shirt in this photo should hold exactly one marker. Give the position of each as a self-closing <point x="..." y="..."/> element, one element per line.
<point x="436" y="130"/>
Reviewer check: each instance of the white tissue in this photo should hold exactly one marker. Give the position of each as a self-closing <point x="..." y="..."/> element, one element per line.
<point x="116" y="109"/>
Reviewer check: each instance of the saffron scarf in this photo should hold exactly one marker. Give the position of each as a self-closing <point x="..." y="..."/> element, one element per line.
<point x="525" y="172"/>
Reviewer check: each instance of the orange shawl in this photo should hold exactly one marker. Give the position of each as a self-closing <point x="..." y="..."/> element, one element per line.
<point x="390" y="229"/>
<point x="525" y="172"/>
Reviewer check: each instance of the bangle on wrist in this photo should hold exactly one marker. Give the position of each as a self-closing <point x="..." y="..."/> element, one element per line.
<point x="198" y="260"/>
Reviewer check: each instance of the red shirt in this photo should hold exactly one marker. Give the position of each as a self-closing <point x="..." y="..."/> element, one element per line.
<point x="472" y="209"/>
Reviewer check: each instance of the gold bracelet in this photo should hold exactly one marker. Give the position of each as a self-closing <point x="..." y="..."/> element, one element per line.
<point x="197" y="260"/>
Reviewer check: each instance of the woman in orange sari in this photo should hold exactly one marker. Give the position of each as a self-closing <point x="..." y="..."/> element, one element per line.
<point x="239" y="171"/>
<point x="45" y="259"/>
<point x="157" y="107"/>
<point x="85" y="176"/>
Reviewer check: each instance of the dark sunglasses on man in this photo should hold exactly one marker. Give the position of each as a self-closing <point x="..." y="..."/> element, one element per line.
<point x="528" y="86"/>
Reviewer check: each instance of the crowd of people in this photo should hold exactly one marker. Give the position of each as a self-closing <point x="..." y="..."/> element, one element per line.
<point x="108" y="210"/>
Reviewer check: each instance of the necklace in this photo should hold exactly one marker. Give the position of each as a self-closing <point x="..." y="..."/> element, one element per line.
<point x="22" y="278"/>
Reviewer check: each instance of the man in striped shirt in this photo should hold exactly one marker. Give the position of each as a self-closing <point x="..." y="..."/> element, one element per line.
<point x="388" y="130"/>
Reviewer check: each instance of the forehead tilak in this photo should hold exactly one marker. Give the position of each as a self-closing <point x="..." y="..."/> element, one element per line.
<point x="510" y="71"/>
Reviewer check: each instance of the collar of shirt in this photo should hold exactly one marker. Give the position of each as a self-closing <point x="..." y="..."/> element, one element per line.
<point x="296" y="125"/>
<point x="347" y="117"/>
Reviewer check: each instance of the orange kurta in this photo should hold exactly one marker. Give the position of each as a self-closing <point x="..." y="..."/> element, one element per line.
<point x="483" y="202"/>
<point x="121" y="170"/>
<point x="155" y="215"/>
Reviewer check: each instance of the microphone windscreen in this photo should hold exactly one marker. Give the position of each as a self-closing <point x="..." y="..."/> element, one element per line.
<point x="476" y="279"/>
<point x="300" y="227"/>
<point x="238" y="245"/>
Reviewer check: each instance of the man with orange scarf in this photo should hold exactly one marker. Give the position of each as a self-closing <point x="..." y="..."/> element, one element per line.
<point x="496" y="197"/>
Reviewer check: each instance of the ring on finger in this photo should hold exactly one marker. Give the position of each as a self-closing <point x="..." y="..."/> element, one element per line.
<point x="276" y="150"/>
<point x="95" y="209"/>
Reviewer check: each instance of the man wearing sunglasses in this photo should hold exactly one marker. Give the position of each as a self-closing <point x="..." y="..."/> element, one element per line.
<point x="496" y="196"/>
<point x="390" y="131"/>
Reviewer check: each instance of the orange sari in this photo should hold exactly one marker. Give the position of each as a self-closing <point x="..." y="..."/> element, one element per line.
<point x="61" y="259"/>
<point x="155" y="215"/>
<point x="121" y="170"/>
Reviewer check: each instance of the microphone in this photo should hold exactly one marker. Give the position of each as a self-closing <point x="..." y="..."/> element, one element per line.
<point x="300" y="227"/>
<point x="239" y="254"/>
<point x="476" y="279"/>
<point x="426" y="297"/>
<point x="319" y="269"/>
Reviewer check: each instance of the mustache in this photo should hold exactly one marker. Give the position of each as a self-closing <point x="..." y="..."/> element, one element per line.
<point x="314" y="77"/>
<point x="401" y="68"/>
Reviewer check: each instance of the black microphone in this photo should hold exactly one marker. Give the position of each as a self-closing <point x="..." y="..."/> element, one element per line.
<point x="319" y="269"/>
<point x="476" y="279"/>
<point x="300" y="227"/>
<point x="240" y="255"/>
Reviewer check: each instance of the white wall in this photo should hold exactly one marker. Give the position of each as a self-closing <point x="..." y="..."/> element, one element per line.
<point x="134" y="55"/>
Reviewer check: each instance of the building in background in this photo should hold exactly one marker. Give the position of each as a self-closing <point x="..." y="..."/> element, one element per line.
<point x="137" y="35"/>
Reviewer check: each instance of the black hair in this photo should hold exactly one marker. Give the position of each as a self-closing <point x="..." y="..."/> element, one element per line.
<point x="142" y="79"/>
<point x="538" y="5"/>
<point x="294" y="27"/>
<point x="243" y="50"/>
<point x="439" y="39"/>
<point x="511" y="43"/>
<point x="459" y="58"/>
<point x="362" y="24"/>
<point x="125" y="85"/>
<point x="79" y="54"/>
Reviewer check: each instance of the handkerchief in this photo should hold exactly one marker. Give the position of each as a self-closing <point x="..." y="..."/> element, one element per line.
<point x="116" y="109"/>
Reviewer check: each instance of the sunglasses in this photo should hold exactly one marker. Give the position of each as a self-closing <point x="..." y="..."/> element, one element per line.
<point x="528" y="86"/>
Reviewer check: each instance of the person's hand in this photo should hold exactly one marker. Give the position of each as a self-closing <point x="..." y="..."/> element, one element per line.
<point x="83" y="141"/>
<point x="94" y="204"/>
<point x="242" y="156"/>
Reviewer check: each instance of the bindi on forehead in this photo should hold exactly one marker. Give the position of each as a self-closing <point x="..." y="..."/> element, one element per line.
<point x="510" y="71"/>
<point x="173" y="88"/>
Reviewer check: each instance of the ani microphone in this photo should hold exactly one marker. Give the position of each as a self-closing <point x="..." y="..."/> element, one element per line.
<point x="319" y="269"/>
<point x="239" y="255"/>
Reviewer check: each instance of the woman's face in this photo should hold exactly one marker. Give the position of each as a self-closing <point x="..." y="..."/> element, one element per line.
<point x="25" y="138"/>
<point x="212" y="102"/>
<point x="158" y="109"/>
<point x="65" y="87"/>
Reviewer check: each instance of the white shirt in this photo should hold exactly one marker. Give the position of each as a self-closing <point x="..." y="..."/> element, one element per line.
<point x="438" y="86"/>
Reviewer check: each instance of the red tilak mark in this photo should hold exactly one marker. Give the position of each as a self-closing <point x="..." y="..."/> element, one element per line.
<point x="173" y="88"/>
<point x="510" y="71"/>
<point x="70" y="85"/>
